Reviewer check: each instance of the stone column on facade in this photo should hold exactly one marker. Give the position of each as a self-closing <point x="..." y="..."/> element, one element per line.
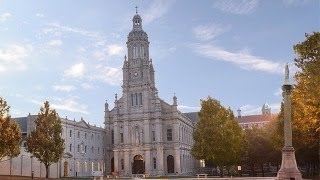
<point x="127" y="163"/>
<point x="116" y="161"/>
<point x="177" y="164"/>
<point x="175" y="132"/>
<point x="146" y="125"/>
<point x="147" y="160"/>
<point x="127" y="137"/>
<point x="289" y="167"/>
<point x="160" y="159"/>
<point x="158" y="131"/>
<point x="116" y="133"/>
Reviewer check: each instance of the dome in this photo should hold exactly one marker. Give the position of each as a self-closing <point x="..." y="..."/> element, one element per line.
<point x="266" y="106"/>
<point x="137" y="16"/>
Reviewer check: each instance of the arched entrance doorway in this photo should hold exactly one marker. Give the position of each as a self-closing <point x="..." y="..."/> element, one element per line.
<point x="170" y="164"/>
<point x="112" y="164"/>
<point x="65" y="169"/>
<point x="138" y="165"/>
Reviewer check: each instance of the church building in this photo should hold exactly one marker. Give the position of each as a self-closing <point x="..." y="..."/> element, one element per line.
<point x="145" y="134"/>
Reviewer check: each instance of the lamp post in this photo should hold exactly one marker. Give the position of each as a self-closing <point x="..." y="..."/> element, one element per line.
<point x="21" y="163"/>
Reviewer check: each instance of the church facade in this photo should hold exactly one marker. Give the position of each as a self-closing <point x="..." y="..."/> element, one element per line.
<point x="145" y="135"/>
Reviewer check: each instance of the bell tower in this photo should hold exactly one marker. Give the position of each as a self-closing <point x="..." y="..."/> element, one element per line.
<point x="138" y="73"/>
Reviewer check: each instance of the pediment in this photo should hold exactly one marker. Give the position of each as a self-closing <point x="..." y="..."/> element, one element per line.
<point x="67" y="155"/>
<point x="82" y="123"/>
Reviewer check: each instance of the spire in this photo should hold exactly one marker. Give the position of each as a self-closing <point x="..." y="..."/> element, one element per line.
<point x="239" y="113"/>
<point x="287" y="80"/>
<point x="106" y="106"/>
<point x="175" y="103"/>
<point x="136" y="9"/>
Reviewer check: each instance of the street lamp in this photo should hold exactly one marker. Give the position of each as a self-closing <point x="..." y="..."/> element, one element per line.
<point x="239" y="169"/>
<point x="21" y="162"/>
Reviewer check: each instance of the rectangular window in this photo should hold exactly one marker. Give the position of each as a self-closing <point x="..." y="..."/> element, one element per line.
<point x="122" y="164"/>
<point x="85" y="135"/>
<point x="78" y="147"/>
<point x="136" y="95"/>
<point x="85" y="149"/>
<point x="78" y="134"/>
<point x="153" y="136"/>
<point x="92" y="150"/>
<point x="132" y="100"/>
<point x="112" y="137"/>
<point x="140" y="98"/>
<point x="70" y="133"/>
<point x="169" y="134"/>
<point x="98" y="153"/>
<point x="154" y="163"/>
<point x="70" y="147"/>
<point x="121" y="137"/>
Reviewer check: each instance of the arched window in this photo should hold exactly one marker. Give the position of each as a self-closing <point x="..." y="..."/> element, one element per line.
<point x="170" y="164"/>
<point x="85" y="166"/>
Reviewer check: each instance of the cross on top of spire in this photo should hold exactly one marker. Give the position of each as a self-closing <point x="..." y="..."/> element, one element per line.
<point x="136" y="9"/>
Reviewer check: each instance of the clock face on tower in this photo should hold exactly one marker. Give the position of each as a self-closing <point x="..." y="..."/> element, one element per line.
<point x="135" y="74"/>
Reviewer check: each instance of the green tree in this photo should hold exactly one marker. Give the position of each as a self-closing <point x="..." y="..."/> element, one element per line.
<point x="306" y="102"/>
<point x="10" y="133"/>
<point x="218" y="138"/>
<point x="45" y="142"/>
<point x="260" y="149"/>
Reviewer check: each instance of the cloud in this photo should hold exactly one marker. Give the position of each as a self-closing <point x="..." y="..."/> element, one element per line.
<point x="100" y="73"/>
<point x="110" y="50"/>
<point x="296" y="2"/>
<point x="157" y="9"/>
<point x="66" y="88"/>
<point x="242" y="58"/>
<point x="75" y="71"/>
<point x="55" y="42"/>
<point x="256" y="109"/>
<point x="106" y="74"/>
<point x="57" y="29"/>
<point x="188" y="108"/>
<point x="86" y="86"/>
<point x="207" y="32"/>
<point x="39" y="15"/>
<point x="5" y="16"/>
<point x="237" y="7"/>
<point x="69" y="103"/>
<point x="12" y="57"/>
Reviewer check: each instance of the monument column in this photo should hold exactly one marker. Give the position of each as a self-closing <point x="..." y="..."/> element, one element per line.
<point x="289" y="167"/>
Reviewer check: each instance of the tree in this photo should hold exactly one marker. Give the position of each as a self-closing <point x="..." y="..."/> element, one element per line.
<point x="218" y="137"/>
<point x="306" y="101"/>
<point x="45" y="142"/>
<point x="260" y="149"/>
<point x="10" y="133"/>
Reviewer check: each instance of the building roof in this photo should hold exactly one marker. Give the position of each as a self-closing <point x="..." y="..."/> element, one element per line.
<point x="22" y="122"/>
<point x="256" y="118"/>
<point x="193" y="116"/>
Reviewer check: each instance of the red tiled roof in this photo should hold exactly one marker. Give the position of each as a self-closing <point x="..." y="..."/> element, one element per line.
<point x="256" y="118"/>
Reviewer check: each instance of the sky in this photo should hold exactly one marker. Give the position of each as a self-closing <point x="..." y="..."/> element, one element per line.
<point x="71" y="52"/>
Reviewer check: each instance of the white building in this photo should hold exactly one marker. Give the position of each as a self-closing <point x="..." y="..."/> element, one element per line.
<point x="145" y="134"/>
<point x="84" y="151"/>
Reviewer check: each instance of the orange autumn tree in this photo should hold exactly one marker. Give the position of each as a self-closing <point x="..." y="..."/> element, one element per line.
<point x="306" y="101"/>
<point x="10" y="133"/>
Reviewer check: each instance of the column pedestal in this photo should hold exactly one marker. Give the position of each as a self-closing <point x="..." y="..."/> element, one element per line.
<point x="289" y="167"/>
